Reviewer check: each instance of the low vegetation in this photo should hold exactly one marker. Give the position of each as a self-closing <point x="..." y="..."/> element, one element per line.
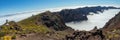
<point x="25" y="26"/>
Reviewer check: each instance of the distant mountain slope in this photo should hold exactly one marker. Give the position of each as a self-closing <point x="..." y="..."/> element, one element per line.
<point x="80" y="14"/>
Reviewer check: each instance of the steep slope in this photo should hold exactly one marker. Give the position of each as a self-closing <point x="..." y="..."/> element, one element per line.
<point x="51" y="20"/>
<point x="47" y="25"/>
<point x="112" y="28"/>
<point x="114" y="22"/>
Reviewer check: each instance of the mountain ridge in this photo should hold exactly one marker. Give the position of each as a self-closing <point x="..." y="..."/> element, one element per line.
<point x="80" y="14"/>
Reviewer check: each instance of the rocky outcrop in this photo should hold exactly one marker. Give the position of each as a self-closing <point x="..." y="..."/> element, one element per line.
<point x="51" y="20"/>
<point x="86" y="35"/>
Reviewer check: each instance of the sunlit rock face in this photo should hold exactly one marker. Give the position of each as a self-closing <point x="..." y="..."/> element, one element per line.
<point x="98" y="20"/>
<point x="53" y="21"/>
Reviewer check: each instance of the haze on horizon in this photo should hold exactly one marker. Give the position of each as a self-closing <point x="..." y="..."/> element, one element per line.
<point x="16" y="6"/>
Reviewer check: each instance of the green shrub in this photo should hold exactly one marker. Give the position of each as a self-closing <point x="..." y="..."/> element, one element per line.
<point x="2" y="34"/>
<point x="14" y="37"/>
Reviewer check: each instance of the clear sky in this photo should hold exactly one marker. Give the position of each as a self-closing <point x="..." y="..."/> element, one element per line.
<point x="14" y="6"/>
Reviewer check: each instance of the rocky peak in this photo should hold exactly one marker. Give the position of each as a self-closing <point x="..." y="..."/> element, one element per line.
<point x="51" y="20"/>
<point x="86" y="35"/>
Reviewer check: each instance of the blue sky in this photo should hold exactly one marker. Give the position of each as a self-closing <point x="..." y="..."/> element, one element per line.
<point x="14" y="6"/>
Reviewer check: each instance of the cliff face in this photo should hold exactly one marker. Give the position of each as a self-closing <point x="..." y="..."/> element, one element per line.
<point x="51" y="20"/>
